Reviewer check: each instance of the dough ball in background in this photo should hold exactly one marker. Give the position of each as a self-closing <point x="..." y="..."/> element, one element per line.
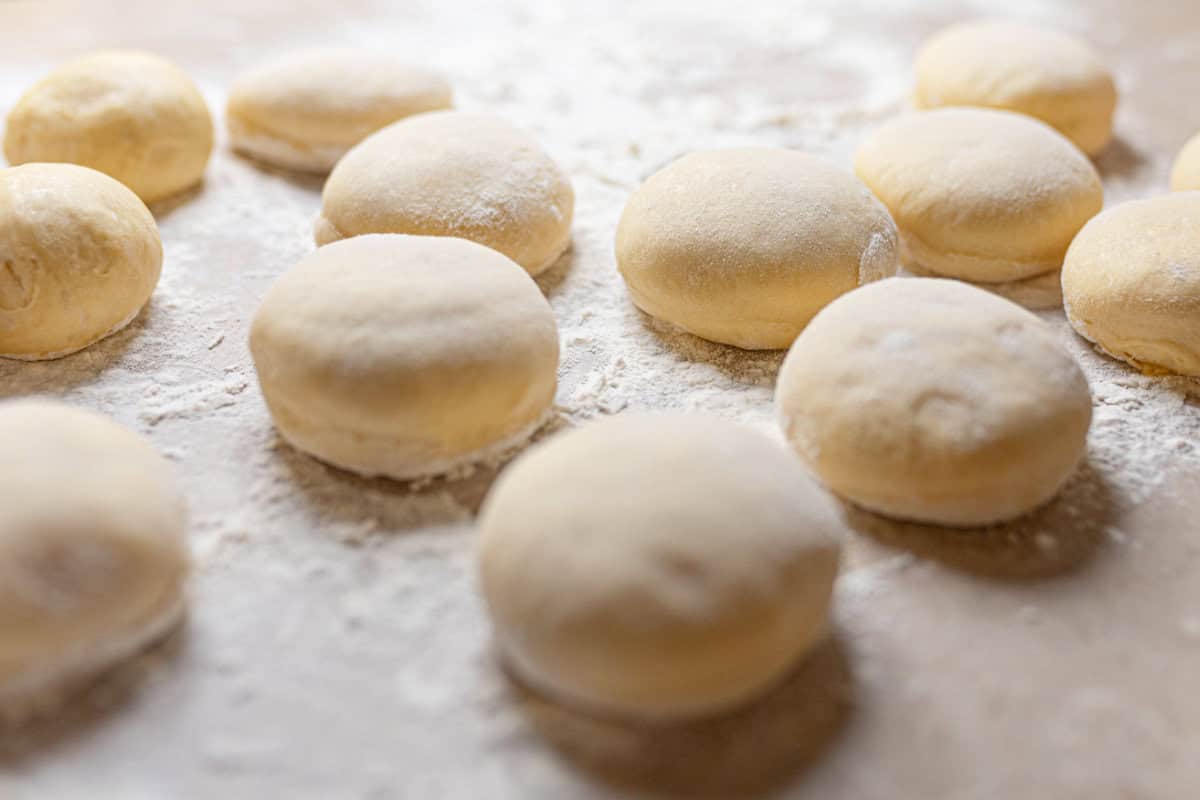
<point x="1131" y="283"/>
<point x="453" y="173"/>
<point x="980" y="195"/>
<point x="743" y="246"/>
<point x="305" y="110"/>
<point x="134" y="116"/>
<point x="93" y="551"/>
<point x="405" y="356"/>
<point x="657" y="565"/>
<point x="79" y="257"/>
<point x="1046" y="74"/>
<point x="1185" y="172"/>
<point x="931" y="400"/>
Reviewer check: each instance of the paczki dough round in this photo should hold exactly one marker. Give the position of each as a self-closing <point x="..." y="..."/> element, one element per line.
<point x="1185" y="173"/>
<point x="931" y="400"/>
<point x="981" y="195"/>
<point x="93" y="553"/>
<point x="1046" y="74"/>
<point x="405" y="356"/>
<point x="79" y="257"/>
<point x="1131" y="283"/>
<point x="742" y="246"/>
<point x="305" y="110"/>
<point x="453" y="173"/>
<point x="131" y="115"/>
<point x="657" y="565"/>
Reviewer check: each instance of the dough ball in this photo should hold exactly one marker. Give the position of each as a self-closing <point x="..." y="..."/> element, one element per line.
<point x="79" y="257"/>
<point x="305" y="110"/>
<point x="981" y="195"/>
<point x="93" y="554"/>
<point x="930" y="400"/>
<point x="1046" y="74"/>
<point x="132" y="115"/>
<point x="1185" y="174"/>
<point x="743" y="246"/>
<point x="452" y="173"/>
<point x="1131" y="283"/>
<point x="657" y="565"/>
<point x="405" y="356"/>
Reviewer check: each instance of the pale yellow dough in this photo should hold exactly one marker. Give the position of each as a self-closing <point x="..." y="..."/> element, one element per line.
<point x="1131" y="283"/>
<point x="79" y="257"/>
<point x="931" y="400"/>
<point x="1185" y="172"/>
<point x="131" y="115"/>
<point x="742" y="246"/>
<point x="305" y="110"/>
<point x="405" y="356"/>
<point x="657" y="566"/>
<point x="453" y="173"/>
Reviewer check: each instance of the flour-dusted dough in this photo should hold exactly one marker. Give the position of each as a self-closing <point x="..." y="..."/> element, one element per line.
<point x="931" y="400"/>
<point x="1131" y="283"/>
<point x="79" y="257"/>
<point x="453" y="173"/>
<point x="981" y="195"/>
<point x="1007" y="65"/>
<point x="657" y="565"/>
<point x="93" y="554"/>
<point x="305" y="110"/>
<point x="1185" y="173"/>
<point x="742" y="246"/>
<point x="132" y="115"/>
<point x="405" y="356"/>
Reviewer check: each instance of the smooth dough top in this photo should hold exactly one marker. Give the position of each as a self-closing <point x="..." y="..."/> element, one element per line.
<point x="657" y="564"/>
<point x="1185" y="173"/>
<point x="80" y="254"/>
<point x="930" y="399"/>
<point x="453" y="173"/>
<point x="1008" y="65"/>
<point x="978" y="194"/>
<point x="132" y="115"/>
<point x="744" y="245"/>
<point x="1131" y="283"/>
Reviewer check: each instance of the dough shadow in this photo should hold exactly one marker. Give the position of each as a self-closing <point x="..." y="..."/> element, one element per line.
<point x="735" y="363"/>
<point x="161" y="209"/>
<point x="308" y="181"/>
<point x="551" y="280"/>
<point x="747" y="752"/>
<point x="1056" y="539"/>
<point x="1120" y="159"/>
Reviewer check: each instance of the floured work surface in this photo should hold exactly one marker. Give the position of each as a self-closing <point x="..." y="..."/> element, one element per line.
<point x="336" y="647"/>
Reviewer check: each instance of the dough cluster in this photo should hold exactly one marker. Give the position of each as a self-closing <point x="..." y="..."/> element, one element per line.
<point x="131" y="115"/>
<point x="743" y="246"/>
<point x="1185" y="172"/>
<point x="405" y="356"/>
<point x="79" y="257"/>
<point x="931" y="400"/>
<point x="453" y="173"/>
<point x="657" y="565"/>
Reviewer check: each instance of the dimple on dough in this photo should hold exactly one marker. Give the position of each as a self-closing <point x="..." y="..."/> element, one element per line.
<point x="405" y="356"/>
<point x="305" y="110"/>
<point x="657" y="565"/>
<point x="742" y="246"/>
<point x="1012" y="66"/>
<point x="1185" y="172"/>
<point x="980" y="195"/>
<point x="79" y="257"/>
<point x="134" y="116"/>
<point x="931" y="400"/>
<point x="93" y="554"/>
<point x="1131" y="283"/>
<point x="453" y="173"/>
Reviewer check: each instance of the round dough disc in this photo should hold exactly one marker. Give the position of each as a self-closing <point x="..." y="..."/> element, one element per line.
<point x="132" y="115"/>
<point x="452" y="173"/>
<point x="93" y="553"/>
<point x="657" y="565"/>
<point x="743" y="246"/>
<point x="1185" y="173"/>
<point x="305" y="110"/>
<point x="1131" y="283"/>
<point x="79" y="257"/>
<point x="405" y="356"/>
<point x="931" y="400"/>
<point x="981" y="195"/>
<point x="1012" y="66"/>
